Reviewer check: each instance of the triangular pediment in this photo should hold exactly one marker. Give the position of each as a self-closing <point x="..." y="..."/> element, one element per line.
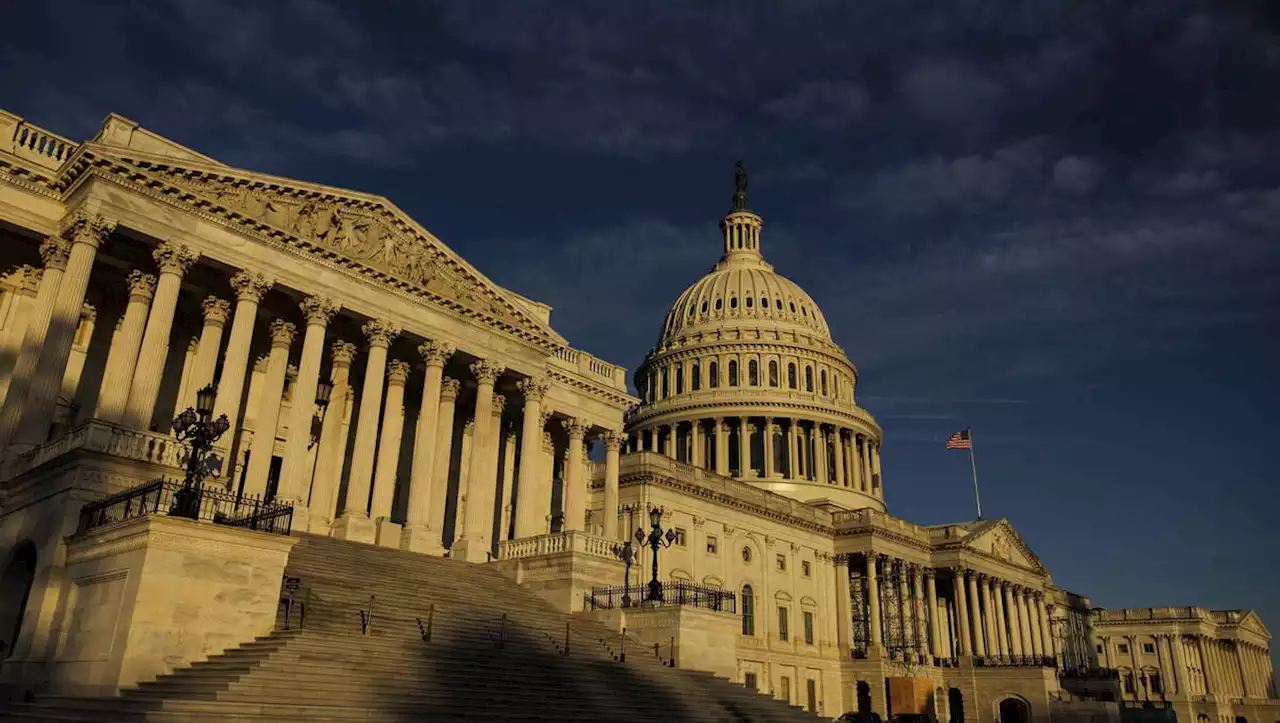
<point x="365" y="232"/>
<point x="1251" y="622"/>
<point x="998" y="539"/>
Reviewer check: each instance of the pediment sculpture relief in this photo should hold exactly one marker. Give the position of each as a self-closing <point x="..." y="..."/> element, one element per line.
<point x="359" y="231"/>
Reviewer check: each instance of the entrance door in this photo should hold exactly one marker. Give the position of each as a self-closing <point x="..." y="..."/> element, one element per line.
<point x="15" y="589"/>
<point x="1014" y="710"/>
<point x="955" y="705"/>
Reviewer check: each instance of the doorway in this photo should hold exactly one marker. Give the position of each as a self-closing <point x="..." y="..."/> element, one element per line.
<point x="1014" y="710"/>
<point x="15" y="589"/>
<point x="955" y="705"/>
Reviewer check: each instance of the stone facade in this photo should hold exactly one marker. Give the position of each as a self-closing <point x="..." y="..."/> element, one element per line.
<point x="460" y="422"/>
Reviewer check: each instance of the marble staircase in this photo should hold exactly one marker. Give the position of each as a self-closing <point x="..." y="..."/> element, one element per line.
<point x="496" y="652"/>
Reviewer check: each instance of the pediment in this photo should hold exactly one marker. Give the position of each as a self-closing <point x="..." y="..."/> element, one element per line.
<point x="1253" y="624"/>
<point x="1000" y="540"/>
<point x="366" y="232"/>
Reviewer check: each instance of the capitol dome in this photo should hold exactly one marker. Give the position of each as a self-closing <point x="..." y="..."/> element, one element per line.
<point x="746" y="381"/>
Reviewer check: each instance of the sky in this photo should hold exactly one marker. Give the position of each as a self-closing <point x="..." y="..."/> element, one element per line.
<point x="1057" y="223"/>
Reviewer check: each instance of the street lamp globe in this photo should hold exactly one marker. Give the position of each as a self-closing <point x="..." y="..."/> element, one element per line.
<point x="204" y="401"/>
<point x="323" y="391"/>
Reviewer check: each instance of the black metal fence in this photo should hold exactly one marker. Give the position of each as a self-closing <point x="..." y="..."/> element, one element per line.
<point x="166" y="497"/>
<point x="674" y="592"/>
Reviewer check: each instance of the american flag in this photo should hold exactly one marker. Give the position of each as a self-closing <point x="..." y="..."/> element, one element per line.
<point x="960" y="440"/>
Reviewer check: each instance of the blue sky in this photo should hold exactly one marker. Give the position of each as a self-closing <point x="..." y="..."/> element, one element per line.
<point x="1056" y="222"/>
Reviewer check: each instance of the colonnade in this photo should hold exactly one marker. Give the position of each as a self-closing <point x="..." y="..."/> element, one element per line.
<point x="311" y="468"/>
<point x="1190" y="665"/>
<point x="678" y="377"/>
<point x="769" y="448"/>
<point x="898" y="608"/>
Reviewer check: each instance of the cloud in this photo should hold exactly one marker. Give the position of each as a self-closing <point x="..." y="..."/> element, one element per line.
<point x="1076" y="175"/>
<point x="950" y="91"/>
<point x="823" y="105"/>
<point x="968" y="183"/>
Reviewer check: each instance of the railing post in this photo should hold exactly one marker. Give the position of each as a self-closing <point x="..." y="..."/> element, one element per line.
<point x="673" y="651"/>
<point x="566" y="638"/>
<point x="502" y="632"/>
<point x="622" y="658"/>
<point x="431" y="616"/>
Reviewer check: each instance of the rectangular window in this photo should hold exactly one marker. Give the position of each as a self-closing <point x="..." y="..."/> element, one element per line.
<point x="1124" y="649"/>
<point x="812" y="686"/>
<point x="712" y="548"/>
<point x="782" y="563"/>
<point x="1099" y="648"/>
<point x="1128" y="683"/>
<point x="749" y="680"/>
<point x="808" y="627"/>
<point x="785" y="688"/>
<point x="1148" y="648"/>
<point x="1157" y="685"/>
<point x="783" y="618"/>
<point x="806" y="569"/>
<point x="679" y="537"/>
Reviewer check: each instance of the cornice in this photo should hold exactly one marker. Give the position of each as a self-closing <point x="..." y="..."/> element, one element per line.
<point x="613" y="396"/>
<point x="646" y="415"/>
<point x="29" y="177"/>
<point x="121" y="174"/>
<point x="693" y="490"/>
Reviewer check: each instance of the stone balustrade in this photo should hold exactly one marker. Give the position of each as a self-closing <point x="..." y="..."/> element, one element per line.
<point x="846" y="520"/>
<point x="33" y="143"/>
<point x="109" y="439"/>
<point x="558" y="542"/>
<point x="590" y="367"/>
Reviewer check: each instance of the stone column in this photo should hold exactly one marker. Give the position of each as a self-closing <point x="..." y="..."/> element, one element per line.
<point x="821" y="473"/>
<point x="546" y="478"/>
<point x="866" y="464"/>
<point x="875" y="468"/>
<point x="492" y="453"/>
<point x="216" y="311"/>
<point x="768" y="448"/>
<point x="697" y="453"/>
<point x="1024" y="617"/>
<point x="988" y="621"/>
<point x="529" y="506"/>
<point x="35" y="411"/>
<point x="962" y="610"/>
<point x="431" y="540"/>
<point x="844" y="617"/>
<point x="268" y="417"/>
<point x="838" y="457"/>
<point x="612" y="443"/>
<point x="922" y="636"/>
<point x="473" y="545"/>
<point x="672" y="447"/>
<point x="54" y="252"/>
<point x="931" y="593"/>
<point x="975" y="617"/>
<point x="575" y="493"/>
<point x="122" y="356"/>
<point x="295" y="473"/>
<point x="354" y="524"/>
<point x="249" y="288"/>
<point x="1179" y="660"/>
<point x="1011" y="613"/>
<point x="508" y="482"/>
<point x="173" y="261"/>
<point x="26" y="280"/>
<point x="873" y="607"/>
<point x="1046" y="637"/>
<point x="793" y="448"/>
<point x="328" y="470"/>
<point x="722" y="447"/>
<point x="387" y="533"/>
<point x="417" y="534"/>
<point x="1002" y="629"/>
<point x="744" y="447"/>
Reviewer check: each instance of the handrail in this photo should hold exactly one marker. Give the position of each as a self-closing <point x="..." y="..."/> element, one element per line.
<point x="501" y="640"/>
<point x="621" y="655"/>
<point x="425" y="632"/>
<point x="671" y="646"/>
<point x="366" y="619"/>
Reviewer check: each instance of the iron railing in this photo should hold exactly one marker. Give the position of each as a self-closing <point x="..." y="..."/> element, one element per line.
<point x="294" y="596"/>
<point x="171" y="497"/>
<point x="674" y="592"/>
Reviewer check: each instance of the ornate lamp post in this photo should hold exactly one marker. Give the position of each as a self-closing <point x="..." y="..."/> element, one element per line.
<point x="198" y="428"/>
<point x="628" y="557"/>
<point x="324" y="390"/>
<point x="656" y="541"/>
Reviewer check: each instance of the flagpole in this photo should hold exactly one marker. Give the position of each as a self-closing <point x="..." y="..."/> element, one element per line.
<point x="977" y="498"/>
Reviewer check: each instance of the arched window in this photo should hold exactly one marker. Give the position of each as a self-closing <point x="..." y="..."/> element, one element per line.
<point x="696" y="381"/>
<point x="748" y="611"/>
<point x="764" y="303"/>
<point x="753" y="373"/>
<point x="665" y="387"/>
<point x="749" y="302"/>
<point x="719" y="303"/>
<point x="733" y="373"/>
<point x="773" y="372"/>
<point x="824" y="382"/>
<point x="704" y="307"/>
<point x="733" y="302"/>
<point x="680" y="379"/>
<point x="791" y="375"/>
<point x="778" y="304"/>
<point x="713" y="375"/>
<point x="808" y="379"/>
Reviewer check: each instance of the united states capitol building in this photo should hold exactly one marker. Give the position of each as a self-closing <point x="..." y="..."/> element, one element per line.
<point x="379" y="389"/>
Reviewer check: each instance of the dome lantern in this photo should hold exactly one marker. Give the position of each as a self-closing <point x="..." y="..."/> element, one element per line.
<point x="741" y="227"/>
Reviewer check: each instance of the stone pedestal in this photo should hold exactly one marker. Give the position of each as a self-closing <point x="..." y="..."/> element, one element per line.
<point x="471" y="550"/>
<point x="560" y="567"/>
<point x="422" y="539"/>
<point x="151" y="594"/>
<point x="388" y="533"/>
<point x="356" y="529"/>
<point x="704" y="639"/>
